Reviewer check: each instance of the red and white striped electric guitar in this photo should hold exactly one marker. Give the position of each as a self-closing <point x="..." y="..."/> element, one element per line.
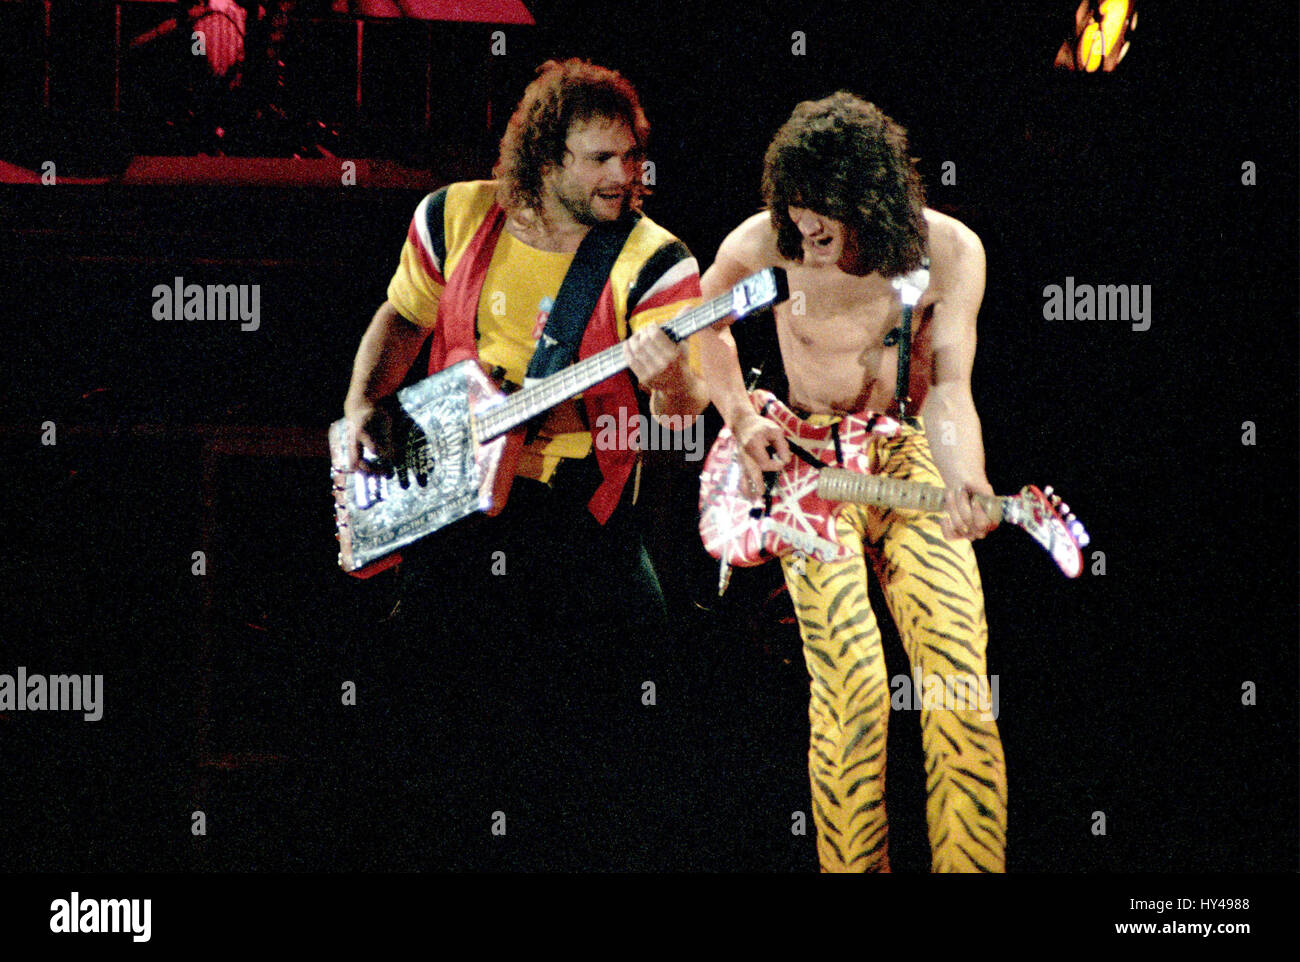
<point x="796" y="515"/>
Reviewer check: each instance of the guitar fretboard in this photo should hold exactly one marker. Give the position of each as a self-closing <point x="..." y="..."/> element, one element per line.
<point x="839" y="484"/>
<point x="525" y="405"/>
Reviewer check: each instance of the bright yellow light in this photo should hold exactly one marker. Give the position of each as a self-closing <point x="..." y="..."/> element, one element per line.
<point x="1098" y="40"/>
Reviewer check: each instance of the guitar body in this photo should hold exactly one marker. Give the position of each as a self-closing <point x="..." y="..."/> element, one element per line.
<point x="443" y="474"/>
<point x="744" y="530"/>
<point x="797" y="514"/>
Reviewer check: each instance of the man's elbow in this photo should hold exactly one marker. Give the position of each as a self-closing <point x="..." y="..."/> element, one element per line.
<point x="390" y="317"/>
<point x="949" y="399"/>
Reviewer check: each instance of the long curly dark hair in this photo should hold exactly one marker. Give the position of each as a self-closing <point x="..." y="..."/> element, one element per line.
<point x="564" y="92"/>
<point x="842" y="158"/>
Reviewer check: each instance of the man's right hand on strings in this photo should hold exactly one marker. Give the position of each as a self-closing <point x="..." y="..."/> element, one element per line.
<point x="762" y="447"/>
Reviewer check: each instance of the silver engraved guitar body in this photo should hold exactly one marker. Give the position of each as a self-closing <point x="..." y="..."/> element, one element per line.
<point x="443" y="473"/>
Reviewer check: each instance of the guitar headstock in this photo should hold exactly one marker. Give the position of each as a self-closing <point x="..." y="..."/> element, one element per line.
<point x="767" y="288"/>
<point x="1048" y="521"/>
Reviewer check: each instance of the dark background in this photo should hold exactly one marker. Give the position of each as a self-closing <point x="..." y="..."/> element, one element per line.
<point x="1119" y="692"/>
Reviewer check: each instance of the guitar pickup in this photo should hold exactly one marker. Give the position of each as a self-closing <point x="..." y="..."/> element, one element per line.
<point x="368" y="490"/>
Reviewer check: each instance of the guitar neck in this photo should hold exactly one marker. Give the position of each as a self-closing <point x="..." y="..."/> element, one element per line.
<point x="839" y="484"/>
<point x="524" y="405"/>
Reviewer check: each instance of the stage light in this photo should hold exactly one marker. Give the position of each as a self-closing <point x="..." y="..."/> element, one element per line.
<point x="1100" y="38"/>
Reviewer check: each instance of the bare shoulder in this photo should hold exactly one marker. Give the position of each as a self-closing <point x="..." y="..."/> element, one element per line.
<point x="956" y="253"/>
<point x="749" y="248"/>
<point x="753" y="243"/>
<point x="950" y="239"/>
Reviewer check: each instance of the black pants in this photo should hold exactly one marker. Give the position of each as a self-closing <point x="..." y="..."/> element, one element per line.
<point x="526" y="648"/>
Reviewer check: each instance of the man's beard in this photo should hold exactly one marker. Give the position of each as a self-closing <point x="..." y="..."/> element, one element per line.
<point x="580" y="208"/>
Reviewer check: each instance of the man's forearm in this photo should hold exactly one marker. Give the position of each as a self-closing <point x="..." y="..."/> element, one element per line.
<point x="687" y="398"/>
<point x="721" y="368"/>
<point x="956" y="440"/>
<point x="388" y="348"/>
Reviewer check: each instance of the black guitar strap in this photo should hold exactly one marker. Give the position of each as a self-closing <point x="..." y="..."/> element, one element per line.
<point x="910" y="287"/>
<point x="902" y="336"/>
<point x="557" y="348"/>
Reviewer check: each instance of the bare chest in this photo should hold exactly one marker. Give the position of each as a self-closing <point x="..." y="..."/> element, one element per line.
<point x="832" y="333"/>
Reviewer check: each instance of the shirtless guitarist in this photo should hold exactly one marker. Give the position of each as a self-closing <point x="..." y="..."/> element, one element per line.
<point x="845" y="216"/>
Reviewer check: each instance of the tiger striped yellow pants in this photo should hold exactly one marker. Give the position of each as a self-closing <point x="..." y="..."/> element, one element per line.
<point x="932" y="588"/>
